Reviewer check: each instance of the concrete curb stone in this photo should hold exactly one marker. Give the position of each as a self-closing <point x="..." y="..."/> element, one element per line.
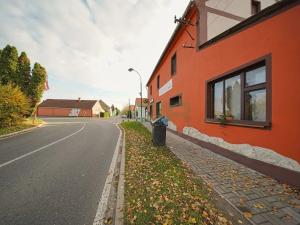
<point x="21" y="131"/>
<point x="119" y="216"/>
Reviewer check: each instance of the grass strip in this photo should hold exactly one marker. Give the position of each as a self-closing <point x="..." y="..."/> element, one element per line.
<point x="159" y="188"/>
<point x="28" y="123"/>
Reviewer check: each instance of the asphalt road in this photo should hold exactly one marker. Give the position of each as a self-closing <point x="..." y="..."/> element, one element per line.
<point x="55" y="174"/>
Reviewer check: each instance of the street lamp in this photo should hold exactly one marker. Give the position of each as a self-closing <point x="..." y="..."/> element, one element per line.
<point x="131" y="70"/>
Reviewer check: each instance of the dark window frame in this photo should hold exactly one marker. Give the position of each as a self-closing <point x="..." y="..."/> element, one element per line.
<point x="156" y="109"/>
<point x="174" y="64"/>
<point x="151" y="110"/>
<point x="180" y="100"/>
<point x="158" y="82"/>
<point x="209" y="109"/>
<point x="255" y="6"/>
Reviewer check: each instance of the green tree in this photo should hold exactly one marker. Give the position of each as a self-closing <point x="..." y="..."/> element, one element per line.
<point x="117" y="111"/>
<point x="8" y="64"/>
<point x="37" y="84"/>
<point x="14" y="105"/>
<point x="23" y="73"/>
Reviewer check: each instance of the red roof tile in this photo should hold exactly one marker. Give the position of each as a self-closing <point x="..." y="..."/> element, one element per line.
<point x="68" y="103"/>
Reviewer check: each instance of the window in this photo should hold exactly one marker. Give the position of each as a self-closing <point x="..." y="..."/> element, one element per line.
<point x="151" y="111"/>
<point x="176" y="101"/>
<point x="158" y="82"/>
<point x="150" y="90"/>
<point x="255" y="7"/>
<point x="241" y="97"/>
<point x="173" y="64"/>
<point x="158" y="109"/>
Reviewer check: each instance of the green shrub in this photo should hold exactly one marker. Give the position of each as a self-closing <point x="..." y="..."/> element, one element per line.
<point x="13" y="105"/>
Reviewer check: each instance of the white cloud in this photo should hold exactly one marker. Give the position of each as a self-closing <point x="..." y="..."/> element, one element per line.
<point x="91" y="42"/>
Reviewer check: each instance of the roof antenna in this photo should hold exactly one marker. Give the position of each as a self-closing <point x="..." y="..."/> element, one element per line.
<point x="184" y="22"/>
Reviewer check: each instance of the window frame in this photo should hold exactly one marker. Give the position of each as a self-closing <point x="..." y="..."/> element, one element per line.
<point x="174" y="64"/>
<point x="151" y="110"/>
<point x="158" y="115"/>
<point x="180" y="100"/>
<point x="255" y="7"/>
<point x="209" y="109"/>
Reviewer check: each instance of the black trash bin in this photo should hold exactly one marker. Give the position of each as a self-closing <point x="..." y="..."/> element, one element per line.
<point x="159" y="128"/>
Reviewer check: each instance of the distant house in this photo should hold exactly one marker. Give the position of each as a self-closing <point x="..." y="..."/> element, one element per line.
<point x="69" y="108"/>
<point x="131" y="112"/>
<point x="106" y="108"/>
<point x="141" y="110"/>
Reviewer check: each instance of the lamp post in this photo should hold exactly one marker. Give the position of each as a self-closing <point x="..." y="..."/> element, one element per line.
<point x="130" y="70"/>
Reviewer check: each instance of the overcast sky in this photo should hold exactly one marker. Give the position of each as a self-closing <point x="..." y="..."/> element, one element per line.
<point x="88" y="45"/>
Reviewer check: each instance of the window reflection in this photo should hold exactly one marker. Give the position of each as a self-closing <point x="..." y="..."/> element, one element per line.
<point x="256" y="76"/>
<point x="218" y="99"/>
<point x="233" y="97"/>
<point x="256" y="105"/>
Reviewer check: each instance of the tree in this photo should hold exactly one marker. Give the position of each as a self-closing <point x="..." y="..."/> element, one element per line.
<point x="14" y="105"/>
<point x="117" y="111"/>
<point x="23" y="73"/>
<point x="37" y="84"/>
<point x="8" y="64"/>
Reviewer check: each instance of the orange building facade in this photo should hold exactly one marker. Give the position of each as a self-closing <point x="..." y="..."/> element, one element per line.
<point x="238" y="90"/>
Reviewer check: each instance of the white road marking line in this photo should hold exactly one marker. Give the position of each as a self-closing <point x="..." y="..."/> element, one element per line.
<point x="64" y="122"/>
<point x="42" y="148"/>
<point x="102" y="206"/>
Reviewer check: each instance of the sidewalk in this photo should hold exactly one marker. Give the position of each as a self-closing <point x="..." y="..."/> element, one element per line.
<point x="262" y="200"/>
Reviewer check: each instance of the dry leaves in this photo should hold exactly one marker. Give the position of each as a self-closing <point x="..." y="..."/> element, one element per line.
<point x="159" y="189"/>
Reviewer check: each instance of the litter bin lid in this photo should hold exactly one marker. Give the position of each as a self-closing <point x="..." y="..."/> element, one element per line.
<point x="160" y="121"/>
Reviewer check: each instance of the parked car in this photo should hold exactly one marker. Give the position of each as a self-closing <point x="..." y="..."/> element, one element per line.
<point x="124" y="116"/>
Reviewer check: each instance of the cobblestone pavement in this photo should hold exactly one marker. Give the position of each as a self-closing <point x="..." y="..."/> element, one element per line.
<point x="261" y="199"/>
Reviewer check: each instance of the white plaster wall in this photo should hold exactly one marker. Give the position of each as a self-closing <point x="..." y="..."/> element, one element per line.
<point x="97" y="109"/>
<point x="217" y="24"/>
<point x="240" y="8"/>
<point x="266" y="3"/>
<point x="172" y="125"/>
<point x="254" y="152"/>
<point x="138" y="110"/>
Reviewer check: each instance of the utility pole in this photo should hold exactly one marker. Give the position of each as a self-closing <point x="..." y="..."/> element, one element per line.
<point x="129" y="110"/>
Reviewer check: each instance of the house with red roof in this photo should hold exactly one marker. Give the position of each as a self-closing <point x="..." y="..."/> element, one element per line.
<point x="70" y="108"/>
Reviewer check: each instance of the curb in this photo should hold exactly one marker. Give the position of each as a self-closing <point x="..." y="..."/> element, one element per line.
<point x="21" y="132"/>
<point x="103" y="202"/>
<point x="119" y="216"/>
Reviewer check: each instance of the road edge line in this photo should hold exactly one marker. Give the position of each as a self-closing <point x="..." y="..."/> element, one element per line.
<point x="119" y="216"/>
<point x="102" y="205"/>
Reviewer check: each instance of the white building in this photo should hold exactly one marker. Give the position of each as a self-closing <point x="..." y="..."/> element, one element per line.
<point x="140" y="110"/>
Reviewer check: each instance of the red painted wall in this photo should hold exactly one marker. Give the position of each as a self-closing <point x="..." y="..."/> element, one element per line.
<point x="278" y="36"/>
<point x="62" y="112"/>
